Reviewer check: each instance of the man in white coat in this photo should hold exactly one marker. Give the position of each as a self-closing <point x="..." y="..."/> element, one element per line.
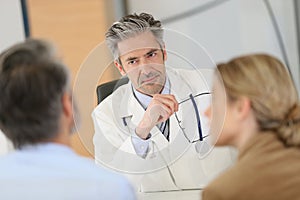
<point x="150" y="128"/>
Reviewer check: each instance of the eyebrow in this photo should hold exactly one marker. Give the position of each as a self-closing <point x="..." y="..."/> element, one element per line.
<point x="151" y="51"/>
<point x="131" y="58"/>
<point x="134" y="58"/>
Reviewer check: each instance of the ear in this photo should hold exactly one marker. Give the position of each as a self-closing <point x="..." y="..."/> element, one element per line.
<point x="67" y="105"/>
<point x="165" y="52"/>
<point x="243" y="108"/>
<point x="120" y="68"/>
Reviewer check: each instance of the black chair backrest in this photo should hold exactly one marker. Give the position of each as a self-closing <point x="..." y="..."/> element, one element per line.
<point x="106" y="89"/>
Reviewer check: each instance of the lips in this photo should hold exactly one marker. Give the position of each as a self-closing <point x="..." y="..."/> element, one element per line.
<point x="149" y="80"/>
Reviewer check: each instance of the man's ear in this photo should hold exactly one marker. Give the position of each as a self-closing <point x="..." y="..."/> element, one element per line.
<point x="165" y="52"/>
<point x="120" y="68"/>
<point x="67" y="105"/>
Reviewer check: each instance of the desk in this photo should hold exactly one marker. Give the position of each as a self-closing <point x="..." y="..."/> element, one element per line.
<point x="174" y="195"/>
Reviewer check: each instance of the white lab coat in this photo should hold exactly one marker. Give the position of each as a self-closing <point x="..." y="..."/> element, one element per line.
<point x="169" y="165"/>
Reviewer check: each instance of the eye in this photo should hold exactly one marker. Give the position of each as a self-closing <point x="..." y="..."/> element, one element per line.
<point x="132" y="62"/>
<point x="152" y="54"/>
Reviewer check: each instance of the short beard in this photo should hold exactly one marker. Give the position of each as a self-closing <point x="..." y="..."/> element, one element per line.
<point x="151" y="89"/>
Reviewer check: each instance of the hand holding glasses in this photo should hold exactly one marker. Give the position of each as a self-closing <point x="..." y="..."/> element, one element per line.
<point x="161" y="107"/>
<point x="201" y="146"/>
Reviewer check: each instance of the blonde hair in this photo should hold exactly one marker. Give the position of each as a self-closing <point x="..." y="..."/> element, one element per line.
<point x="268" y="85"/>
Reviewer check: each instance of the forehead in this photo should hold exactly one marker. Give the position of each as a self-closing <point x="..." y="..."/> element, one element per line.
<point x="143" y="41"/>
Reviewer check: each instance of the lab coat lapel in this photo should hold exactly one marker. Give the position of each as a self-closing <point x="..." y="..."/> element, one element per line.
<point x="130" y="108"/>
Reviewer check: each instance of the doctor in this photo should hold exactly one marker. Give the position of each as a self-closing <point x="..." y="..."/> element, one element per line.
<point x="148" y="129"/>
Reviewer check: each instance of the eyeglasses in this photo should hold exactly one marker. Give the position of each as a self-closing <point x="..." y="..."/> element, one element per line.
<point x="201" y="146"/>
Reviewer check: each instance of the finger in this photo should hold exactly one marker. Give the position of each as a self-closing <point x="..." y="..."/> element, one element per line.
<point x="167" y="103"/>
<point x="159" y="112"/>
<point x="172" y="98"/>
<point x="164" y="116"/>
<point x="165" y="96"/>
<point x="168" y="100"/>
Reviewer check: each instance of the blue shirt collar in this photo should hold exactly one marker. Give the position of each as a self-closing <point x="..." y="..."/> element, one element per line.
<point x="50" y="147"/>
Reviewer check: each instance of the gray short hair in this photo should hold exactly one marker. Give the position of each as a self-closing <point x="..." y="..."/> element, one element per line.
<point x="130" y="26"/>
<point x="32" y="83"/>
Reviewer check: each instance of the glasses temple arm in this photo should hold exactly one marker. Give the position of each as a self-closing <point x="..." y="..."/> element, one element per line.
<point x="197" y="117"/>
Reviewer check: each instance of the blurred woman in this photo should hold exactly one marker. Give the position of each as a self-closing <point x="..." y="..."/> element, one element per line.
<point x="255" y="108"/>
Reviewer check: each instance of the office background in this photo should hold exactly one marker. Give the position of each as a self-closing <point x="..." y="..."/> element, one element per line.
<point x="225" y="28"/>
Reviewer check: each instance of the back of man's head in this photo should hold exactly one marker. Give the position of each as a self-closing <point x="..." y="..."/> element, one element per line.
<point x="32" y="83"/>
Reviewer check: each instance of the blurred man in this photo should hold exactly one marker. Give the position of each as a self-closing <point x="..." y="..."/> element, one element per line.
<point x="36" y="114"/>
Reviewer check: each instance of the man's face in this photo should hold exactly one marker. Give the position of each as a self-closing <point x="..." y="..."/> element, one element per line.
<point x="142" y="59"/>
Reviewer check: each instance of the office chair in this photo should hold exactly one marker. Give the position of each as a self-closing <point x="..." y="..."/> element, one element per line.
<point x="106" y="89"/>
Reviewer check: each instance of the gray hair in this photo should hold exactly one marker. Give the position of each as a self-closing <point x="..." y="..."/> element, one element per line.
<point x="130" y="26"/>
<point x="32" y="83"/>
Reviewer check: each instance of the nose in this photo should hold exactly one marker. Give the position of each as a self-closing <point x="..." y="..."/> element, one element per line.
<point x="207" y="112"/>
<point x="144" y="61"/>
<point x="145" y="66"/>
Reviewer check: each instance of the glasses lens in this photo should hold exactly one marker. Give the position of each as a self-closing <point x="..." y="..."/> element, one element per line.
<point x="192" y="118"/>
<point x="202" y="148"/>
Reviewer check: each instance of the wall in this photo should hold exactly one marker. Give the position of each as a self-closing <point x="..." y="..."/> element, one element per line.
<point x="11" y="23"/>
<point x="76" y="27"/>
<point x="234" y="27"/>
<point x="12" y="31"/>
